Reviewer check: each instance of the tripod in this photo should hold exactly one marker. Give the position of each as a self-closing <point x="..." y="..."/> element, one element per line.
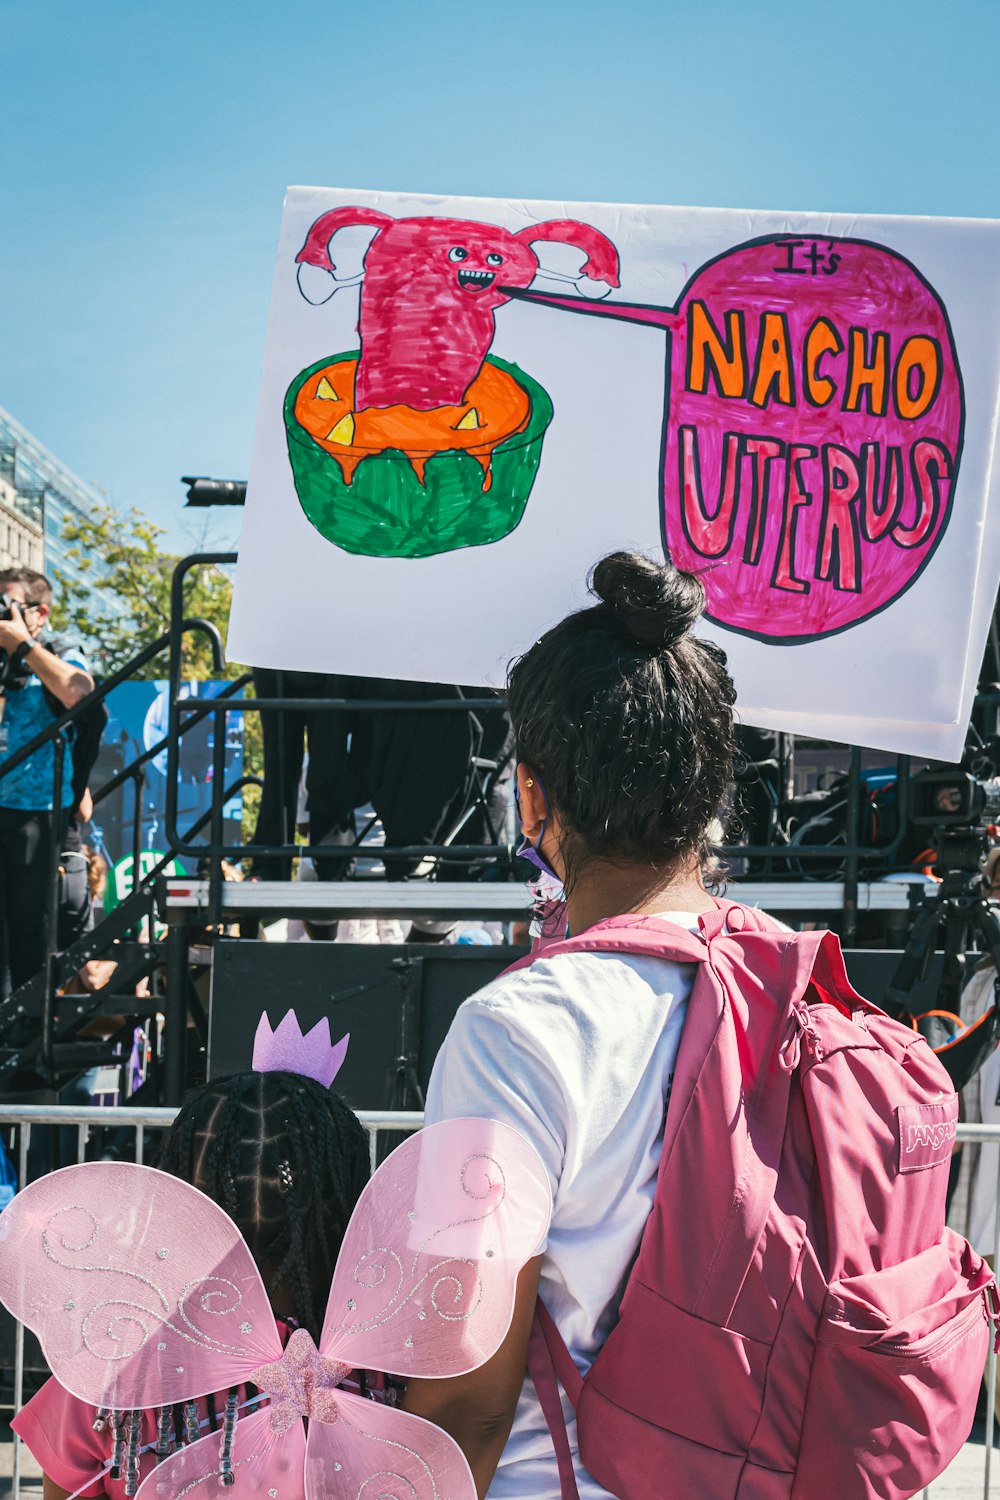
<point x="958" y="913"/>
<point x="404" y="1087"/>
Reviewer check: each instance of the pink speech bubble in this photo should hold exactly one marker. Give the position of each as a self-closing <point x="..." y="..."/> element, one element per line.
<point x="812" y="431"/>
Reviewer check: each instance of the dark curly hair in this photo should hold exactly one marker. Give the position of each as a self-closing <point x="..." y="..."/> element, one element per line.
<point x="628" y="718"/>
<point x="287" y="1160"/>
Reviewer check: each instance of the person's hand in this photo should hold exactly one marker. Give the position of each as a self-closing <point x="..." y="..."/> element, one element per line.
<point x="14" y="632"/>
<point x="96" y="974"/>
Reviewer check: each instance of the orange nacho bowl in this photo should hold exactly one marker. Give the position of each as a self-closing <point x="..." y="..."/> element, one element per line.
<point x="396" y="482"/>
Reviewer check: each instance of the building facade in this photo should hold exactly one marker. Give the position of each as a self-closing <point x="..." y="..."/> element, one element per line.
<point x="38" y="497"/>
<point x="22" y="539"/>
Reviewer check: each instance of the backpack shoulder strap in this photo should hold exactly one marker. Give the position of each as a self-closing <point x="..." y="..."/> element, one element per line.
<point x="551" y="1365"/>
<point x="60" y="645"/>
<point x="649" y="936"/>
<point x="655" y="937"/>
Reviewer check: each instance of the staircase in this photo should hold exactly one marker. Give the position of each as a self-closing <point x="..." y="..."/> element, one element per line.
<point x="49" y="1038"/>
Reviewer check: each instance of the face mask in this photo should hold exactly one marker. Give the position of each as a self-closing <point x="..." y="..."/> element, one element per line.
<point x="529" y="851"/>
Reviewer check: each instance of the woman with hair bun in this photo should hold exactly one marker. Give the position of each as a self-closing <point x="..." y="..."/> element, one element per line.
<point x="624" y="726"/>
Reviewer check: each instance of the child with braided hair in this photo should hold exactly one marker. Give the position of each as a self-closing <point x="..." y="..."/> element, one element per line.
<point x="287" y="1160"/>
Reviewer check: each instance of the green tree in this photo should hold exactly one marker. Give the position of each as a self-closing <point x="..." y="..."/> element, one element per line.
<point x="133" y="581"/>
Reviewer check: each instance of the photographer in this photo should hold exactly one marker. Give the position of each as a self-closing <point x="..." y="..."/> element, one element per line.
<point x="40" y="678"/>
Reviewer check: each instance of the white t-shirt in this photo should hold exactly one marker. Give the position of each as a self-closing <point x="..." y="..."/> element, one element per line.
<point x="577" y="1052"/>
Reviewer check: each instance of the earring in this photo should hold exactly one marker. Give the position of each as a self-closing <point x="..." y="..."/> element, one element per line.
<point x="528" y="781"/>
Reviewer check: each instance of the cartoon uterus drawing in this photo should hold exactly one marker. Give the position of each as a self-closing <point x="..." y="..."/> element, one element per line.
<point x="431" y="288"/>
<point x="434" y="441"/>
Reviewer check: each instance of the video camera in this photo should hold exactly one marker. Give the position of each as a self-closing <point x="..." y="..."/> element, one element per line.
<point x="954" y="798"/>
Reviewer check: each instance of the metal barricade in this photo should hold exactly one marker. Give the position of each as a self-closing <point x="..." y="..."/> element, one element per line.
<point x="957" y="1481"/>
<point x="21" y="1118"/>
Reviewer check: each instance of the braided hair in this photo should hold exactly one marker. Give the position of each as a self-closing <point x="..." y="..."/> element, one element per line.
<point x="287" y="1160"/>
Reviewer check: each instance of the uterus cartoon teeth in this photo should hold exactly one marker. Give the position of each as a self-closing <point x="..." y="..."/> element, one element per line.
<point x="476" y="279"/>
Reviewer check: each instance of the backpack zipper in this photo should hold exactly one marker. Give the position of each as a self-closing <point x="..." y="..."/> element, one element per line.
<point x="953" y="1332"/>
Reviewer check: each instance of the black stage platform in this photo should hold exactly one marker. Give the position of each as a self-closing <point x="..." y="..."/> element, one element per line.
<point x="396" y="1001"/>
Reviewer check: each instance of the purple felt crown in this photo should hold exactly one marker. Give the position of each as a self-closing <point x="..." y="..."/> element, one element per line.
<point x="286" y="1050"/>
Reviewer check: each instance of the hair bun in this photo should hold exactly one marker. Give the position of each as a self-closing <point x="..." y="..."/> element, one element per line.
<point x="654" y="603"/>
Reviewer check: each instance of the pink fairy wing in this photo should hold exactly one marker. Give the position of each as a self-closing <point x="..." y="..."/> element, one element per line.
<point x="425" y="1282"/>
<point x="141" y="1290"/>
<point x="264" y="1463"/>
<point x="374" y="1452"/>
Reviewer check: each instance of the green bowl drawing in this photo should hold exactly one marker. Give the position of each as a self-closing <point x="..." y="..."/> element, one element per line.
<point x="387" y="512"/>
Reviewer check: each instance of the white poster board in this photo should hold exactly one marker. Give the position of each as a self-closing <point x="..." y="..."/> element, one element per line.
<point x="467" y="402"/>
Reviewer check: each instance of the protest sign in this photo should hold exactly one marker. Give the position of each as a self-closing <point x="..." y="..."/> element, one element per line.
<point x="466" y="403"/>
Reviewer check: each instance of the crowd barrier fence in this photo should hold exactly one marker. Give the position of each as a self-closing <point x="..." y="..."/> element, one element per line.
<point x="21" y="1119"/>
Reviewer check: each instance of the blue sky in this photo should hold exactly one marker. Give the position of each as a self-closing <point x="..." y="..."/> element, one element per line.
<point x="145" y="148"/>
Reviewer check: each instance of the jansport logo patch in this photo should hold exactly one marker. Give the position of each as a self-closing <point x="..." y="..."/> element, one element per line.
<point x="926" y="1134"/>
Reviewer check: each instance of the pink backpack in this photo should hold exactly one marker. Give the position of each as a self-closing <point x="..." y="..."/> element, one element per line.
<point x="798" y="1321"/>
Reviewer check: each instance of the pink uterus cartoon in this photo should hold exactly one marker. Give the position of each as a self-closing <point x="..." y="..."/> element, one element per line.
<point x="422" y="441"/>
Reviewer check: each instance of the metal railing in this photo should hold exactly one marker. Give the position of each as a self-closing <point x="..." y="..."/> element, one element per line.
<point x="122" y="1117"/>
<point x="55" y="734"/>
<point x="23" y="1117"/>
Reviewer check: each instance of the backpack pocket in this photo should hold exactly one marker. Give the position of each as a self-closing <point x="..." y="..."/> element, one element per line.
<point x="893" y="1388"/>
<point x="682" y="1373"/>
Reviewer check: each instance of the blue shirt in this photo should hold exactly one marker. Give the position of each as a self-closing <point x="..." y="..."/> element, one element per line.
<point x="26" y="712"/>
